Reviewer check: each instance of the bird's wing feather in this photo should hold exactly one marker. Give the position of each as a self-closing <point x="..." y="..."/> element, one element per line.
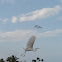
<point x="31" y="42"/>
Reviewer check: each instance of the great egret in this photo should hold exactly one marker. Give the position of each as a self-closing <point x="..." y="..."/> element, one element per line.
<point x="30" y="43"/>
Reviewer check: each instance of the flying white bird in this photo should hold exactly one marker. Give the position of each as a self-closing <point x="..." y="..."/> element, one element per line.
<point x="30" y="44"/>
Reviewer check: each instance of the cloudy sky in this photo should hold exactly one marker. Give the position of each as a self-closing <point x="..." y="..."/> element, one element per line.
<point x="17" y="21"/>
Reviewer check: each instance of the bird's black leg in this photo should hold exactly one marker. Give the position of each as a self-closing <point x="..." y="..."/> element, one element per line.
<point x="23" y="53"/>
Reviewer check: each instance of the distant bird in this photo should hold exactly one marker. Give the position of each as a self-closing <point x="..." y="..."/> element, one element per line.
<point x="30" y="44"/>
<point x="39" y="27"/>
<point x="36" y="26"/>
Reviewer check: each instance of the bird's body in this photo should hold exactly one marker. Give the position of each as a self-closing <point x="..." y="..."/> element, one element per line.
<point x="30" y="44"/>
<point x="29" y="49"/>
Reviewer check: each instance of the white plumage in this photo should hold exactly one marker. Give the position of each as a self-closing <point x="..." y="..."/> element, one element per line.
<point x="30" y="44"/>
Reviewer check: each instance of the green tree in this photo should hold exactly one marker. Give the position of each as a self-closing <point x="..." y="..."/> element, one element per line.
<point x="2" y="60"/>
<point x="12" y="59"/>
<point x="33" y="60"/>
<point x="42" y="60"/>
<point x="38" y="59"/>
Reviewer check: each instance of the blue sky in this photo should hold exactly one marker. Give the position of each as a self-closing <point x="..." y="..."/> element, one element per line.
<point x="17" y="21"/>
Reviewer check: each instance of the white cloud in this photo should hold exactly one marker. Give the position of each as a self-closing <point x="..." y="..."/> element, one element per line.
<point x="15" y="35"/>
<point x="14" y="19"/>
<point x="51" y="33"/>
<point x="39" y="14"/>
<point x="23" y="34"/>
<point x="4" y="20"/>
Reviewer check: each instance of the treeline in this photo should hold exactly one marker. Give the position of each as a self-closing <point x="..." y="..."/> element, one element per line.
<point x="15" y="59"/>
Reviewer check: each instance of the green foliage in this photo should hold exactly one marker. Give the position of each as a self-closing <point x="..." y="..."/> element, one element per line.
<point x="15" y="59"/>
<point x="2" y="60"/>
<point x="12" y="59"/>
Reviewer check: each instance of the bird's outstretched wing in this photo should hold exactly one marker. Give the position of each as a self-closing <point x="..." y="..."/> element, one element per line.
<point x="31" y="42"/>
<point x="36" y="26"/>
